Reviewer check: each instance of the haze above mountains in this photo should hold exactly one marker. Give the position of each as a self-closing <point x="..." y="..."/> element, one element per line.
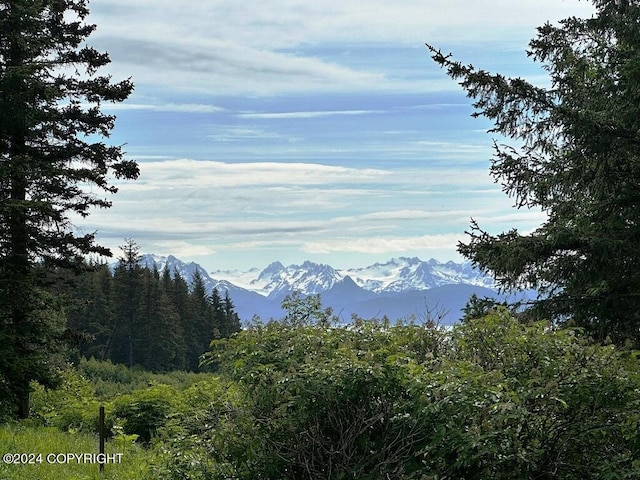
<point x="401" y="288"/>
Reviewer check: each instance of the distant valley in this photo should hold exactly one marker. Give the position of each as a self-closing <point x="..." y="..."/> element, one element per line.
<point x="401" y="288"/>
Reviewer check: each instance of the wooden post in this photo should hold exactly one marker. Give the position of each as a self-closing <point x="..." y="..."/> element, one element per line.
<point x="101" y="428"/>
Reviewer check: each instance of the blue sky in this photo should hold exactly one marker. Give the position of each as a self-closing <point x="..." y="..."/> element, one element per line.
<point x="294" y="130"/>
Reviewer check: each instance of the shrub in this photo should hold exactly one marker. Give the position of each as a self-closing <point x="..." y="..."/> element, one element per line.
<point x="528" y="401"/>
<point x="112" y="379"/>
<point x="492" y="398"/>
<point x="71" y="406"/>
<point x="144" y="411"/>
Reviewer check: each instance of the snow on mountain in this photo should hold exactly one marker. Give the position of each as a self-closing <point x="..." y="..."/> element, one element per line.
<point x="185" y="270"/>
<point x="399" y="288"/>
<point x="397" y="275"/>
<point x="276" y="281"/>
<point x="405" y="274"/>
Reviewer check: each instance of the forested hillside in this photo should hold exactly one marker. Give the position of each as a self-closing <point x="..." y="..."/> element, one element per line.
<point x="136" y="315"/>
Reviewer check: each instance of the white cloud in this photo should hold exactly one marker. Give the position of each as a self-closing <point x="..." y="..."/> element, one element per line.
<point x="181" y="248"/>
<point x="288" y="23"/>
<point x="226" y="46"/>
<point x="317" y="114"/>
<point x="211" y="174"/>
<point x="218" y="56"/>
<point x="209" y="209"/>
<point x="164" y="107"/>
<point x="233" y="133"/>
<point x="527" y="217"/>
<point x="384" y="245"/>
<point x="215" y="65"/>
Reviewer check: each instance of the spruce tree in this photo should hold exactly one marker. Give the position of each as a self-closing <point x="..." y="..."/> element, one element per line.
<point x="202" y="320"/>
<point x="127" y="279"/>
<point x="231" y="321"/>
<point x="576" y="157"/>
<point x="51" y="155"/>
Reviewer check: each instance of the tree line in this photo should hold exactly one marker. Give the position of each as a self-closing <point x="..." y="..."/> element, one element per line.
<point x="141" y="316"/>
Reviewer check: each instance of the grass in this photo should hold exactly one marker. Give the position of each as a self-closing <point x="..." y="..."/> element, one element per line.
<point x="135" y="461"/>
<point x="110" y="380"/>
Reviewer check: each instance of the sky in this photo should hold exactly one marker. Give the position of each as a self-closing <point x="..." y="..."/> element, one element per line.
<point x="304" y="130"/>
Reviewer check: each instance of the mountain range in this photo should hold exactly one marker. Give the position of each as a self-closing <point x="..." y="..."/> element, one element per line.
<point x="401" y="288"/>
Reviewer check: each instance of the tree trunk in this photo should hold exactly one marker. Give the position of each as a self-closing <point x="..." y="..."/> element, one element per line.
<point x="23" y="403"/>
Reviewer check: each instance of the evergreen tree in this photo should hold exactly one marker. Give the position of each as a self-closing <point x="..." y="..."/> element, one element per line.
<point x="202" y="320"/>
<point x="230" y="323"/>
<point x="90" y="310"/>
<point x="218" y="311"/>
<point x="127" y="279"/>
<point x="578" y="160"/>
<point x="50" y="126"/>
<point x="180" y="299"/>
<point x="135" y="315"/>
<point x="162" y="343"/>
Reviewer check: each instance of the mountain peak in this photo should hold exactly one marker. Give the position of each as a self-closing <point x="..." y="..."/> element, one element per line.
<point x="398" y="274"/>
<point x="272" y="269"/>
<point x="398" y="287"/>
<point x="410" y="260"/>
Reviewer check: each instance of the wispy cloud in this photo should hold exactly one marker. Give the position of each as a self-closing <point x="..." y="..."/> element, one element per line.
<point x="226" y="66"/>
<point x="216" y="206"/>
<point x="384" y="245"/>
<point x="226" y="47"/>
<point x="284" y="23"/>
<point x="316" y="114"/>
<point x="164" y="107"/>
<point x="193" y="173"/>
<point x="234" y="133"/>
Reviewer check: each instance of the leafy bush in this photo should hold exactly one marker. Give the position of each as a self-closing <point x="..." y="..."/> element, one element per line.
<point x="319" y="402"/>
<point x="492" y="398"/>
<point x="208" y="435"/>
<point x="144" y="411"/>
<point x="71" y="406"/>
<point x="527" y="401"/>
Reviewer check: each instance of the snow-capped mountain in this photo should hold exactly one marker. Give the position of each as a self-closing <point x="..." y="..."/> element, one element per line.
<point x="397" y="275"/>
<point x="185" y="270"/>
<point x="276" y="281"/>
<point x="405" y="274"/>
<point x="401" y="288"/>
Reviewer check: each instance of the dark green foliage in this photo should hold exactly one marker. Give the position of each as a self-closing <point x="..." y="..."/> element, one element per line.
<point x="203" y="324"/>
<point x="226" y="317"/>
<point x="306" y="310"/>
<point x="52" y="167"/>
<point x="492" y="398"/>
<point x="481" y="307"/>
<point x="139" y="317"/>
<point x="327" y="403"/>
<point x="70" y="406"/>
<point x="137" y="401"/>
<point x="525" y="402"/>
<point x="143" y="412"/>
<point x="112" y="379"/>
<point x="36" y="354"/>
<point x="577" y="159"/>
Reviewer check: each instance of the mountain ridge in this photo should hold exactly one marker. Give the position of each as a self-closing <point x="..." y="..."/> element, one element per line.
<point x="400" y="288"/>
<point x="396" y="275"/>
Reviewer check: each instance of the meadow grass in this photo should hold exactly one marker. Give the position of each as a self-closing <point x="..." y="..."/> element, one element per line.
<point x="23" y="438"/>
